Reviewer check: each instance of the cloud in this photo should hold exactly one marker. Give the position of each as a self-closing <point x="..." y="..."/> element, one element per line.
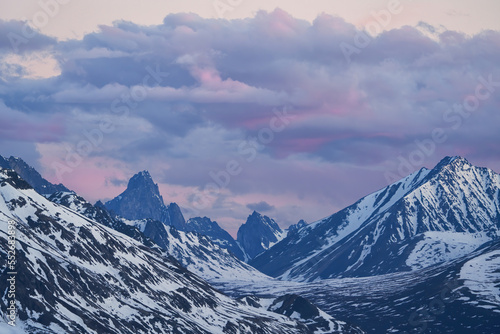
<point x="190" y="95"/>
<point x="20" y="126"/>
<point x="261" y="207"/>
<point x="19" y="37"/>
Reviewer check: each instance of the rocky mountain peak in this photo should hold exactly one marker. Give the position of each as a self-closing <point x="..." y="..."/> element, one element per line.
<point x="451" y="163"/>
<point x="258" y="234"/>
<point x="141" y="180"/>
<point x="142" y="200"/>
<point x="30" y="175"/>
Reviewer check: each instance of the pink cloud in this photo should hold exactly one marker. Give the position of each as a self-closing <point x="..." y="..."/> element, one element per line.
<point x="17" y="125"/>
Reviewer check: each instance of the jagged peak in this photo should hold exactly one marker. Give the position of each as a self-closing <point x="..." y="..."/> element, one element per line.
<point x="142" y="175"/>
<point x="449" y="163"/>
<point x="448" y="160"/>
<point x="141" y="179"/>
<point x="174" y="205"/>
<point x="255" y="214"/>
<point x="257" y="218"/>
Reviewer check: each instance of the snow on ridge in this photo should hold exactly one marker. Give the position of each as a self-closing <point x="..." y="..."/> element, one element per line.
<point x="364" y="208"/>
<point x="438" y="247"/>
<point x="482" y="277"/>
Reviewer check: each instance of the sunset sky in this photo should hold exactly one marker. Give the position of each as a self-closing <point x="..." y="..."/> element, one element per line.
<point x="294" y="109"/>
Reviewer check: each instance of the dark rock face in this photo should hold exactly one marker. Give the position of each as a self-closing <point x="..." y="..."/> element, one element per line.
<point x="30" y="175"/>
<point x="217" y="234"/>
<point x="142" y="200"/>
<point x="386" y="231"/>
<point x="175" y="217"/>
<point x="258" y="234"/>
<point x="295" y="227"/>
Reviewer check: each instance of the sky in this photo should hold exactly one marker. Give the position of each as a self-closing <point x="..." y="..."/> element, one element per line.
<point x="289" y="108"/>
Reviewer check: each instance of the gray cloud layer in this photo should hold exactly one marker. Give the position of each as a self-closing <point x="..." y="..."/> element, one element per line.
<point x="189" y="95"/>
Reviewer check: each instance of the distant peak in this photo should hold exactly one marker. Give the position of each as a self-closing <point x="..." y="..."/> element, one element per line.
<point x="140" y="178"/>
<point x="451" y="160"/>
<point x="302" y="222"/>
<point x="449" y="163"/>
<point x="174" y="206"/>
<point x="144" y="173"/>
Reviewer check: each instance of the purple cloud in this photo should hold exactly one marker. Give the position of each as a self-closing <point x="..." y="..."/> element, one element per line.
<point x="190" y="95"/>
<point x="262" y="206"/>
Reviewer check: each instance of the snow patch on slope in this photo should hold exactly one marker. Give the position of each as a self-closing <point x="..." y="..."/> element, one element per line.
<point x="482" y="276"/>
<point x="438" y="247"/>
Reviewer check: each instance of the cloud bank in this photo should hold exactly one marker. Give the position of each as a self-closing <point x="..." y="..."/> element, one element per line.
<point x="265" y="110"/>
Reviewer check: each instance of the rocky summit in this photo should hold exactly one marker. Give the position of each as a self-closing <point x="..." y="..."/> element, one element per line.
<point x="258" y="234"/>
<point x="142" y="200"/>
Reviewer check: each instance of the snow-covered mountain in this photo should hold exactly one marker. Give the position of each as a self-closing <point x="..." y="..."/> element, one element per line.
<point x="75" y="275"/>
<point x="142" y="200"/>
<point x="99" y="214"/>
<point x="30" y="175"/>
<point x="198" y="253"/>
<point x="258" y="234"/>
<point x="194" y="251"/>
<point x="428" y="217"/>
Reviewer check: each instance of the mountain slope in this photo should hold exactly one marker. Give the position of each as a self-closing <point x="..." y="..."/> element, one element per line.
<point x="258" y="234"/>
<point x="217" y="234"/>
<point x="206" y="259"/>
<point x="300" y="308"/>
<point x="437" y="212"/>
<point x="77" y="276"/>
<point x="99" y="214"/>
<point x="30" y="175"/>
<point x="194" y="251"/>
<point x="198" y="253"/>
<point x="458" y="296"/>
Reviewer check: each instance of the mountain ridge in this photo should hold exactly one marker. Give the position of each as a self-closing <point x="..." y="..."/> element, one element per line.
<point x="31" y="175"/>
<point x="390" y="223"/>
<point x="75" y="275"/>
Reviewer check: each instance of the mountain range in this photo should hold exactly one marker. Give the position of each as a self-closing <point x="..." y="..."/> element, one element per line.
<point x="75" y="275"/>
<point x="431" y="216"/>
<point x="420" y="255"/>
<point x="142" y="200"/>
